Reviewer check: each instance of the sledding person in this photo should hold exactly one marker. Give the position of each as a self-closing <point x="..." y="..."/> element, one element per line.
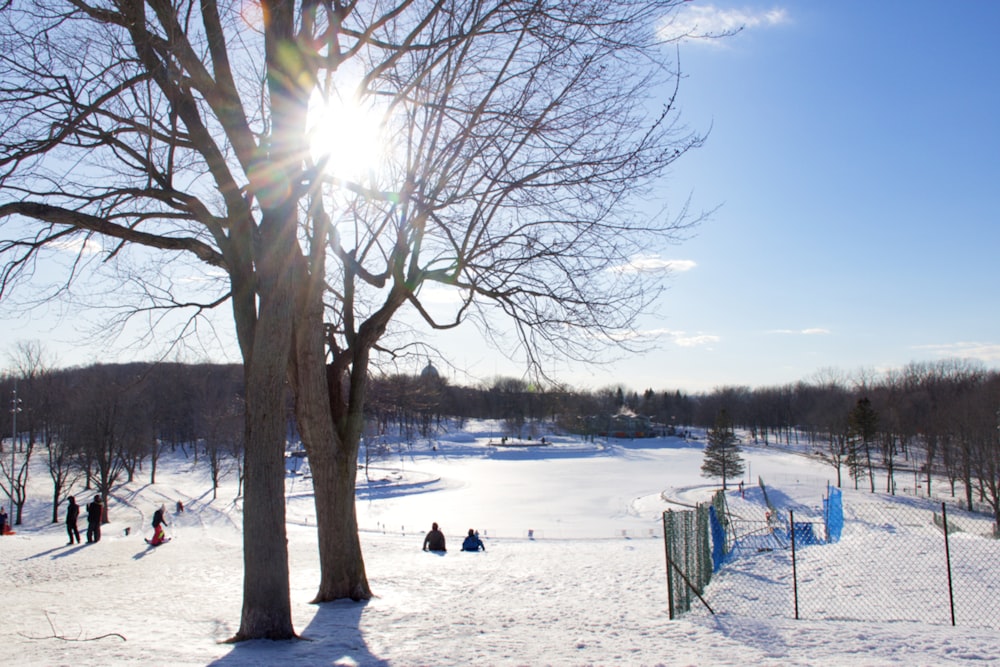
<point x="72" y="514"/>
<point x="434" y="541"/>
<point x="472" y="542"/>
<point x="159" y="536"/>
<point x="95" y="513"/>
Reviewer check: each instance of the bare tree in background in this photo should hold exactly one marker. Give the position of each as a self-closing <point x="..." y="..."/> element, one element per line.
<point x="31" y="374"/>
<point x="161" y="139"/>
<point x="100" y="426"/>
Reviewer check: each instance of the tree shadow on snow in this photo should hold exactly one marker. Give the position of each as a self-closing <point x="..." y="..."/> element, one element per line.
<point x="333" y="637"/>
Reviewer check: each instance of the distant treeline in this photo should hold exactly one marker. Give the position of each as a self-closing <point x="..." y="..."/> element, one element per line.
<point x="940" y="418"/>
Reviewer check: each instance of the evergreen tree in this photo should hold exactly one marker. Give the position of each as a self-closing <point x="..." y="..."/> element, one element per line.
<point x="723" y="457"/>
<point x="862" y="429"/>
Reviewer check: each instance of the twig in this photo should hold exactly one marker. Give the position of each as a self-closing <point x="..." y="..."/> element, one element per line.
<point x="56" y="635"/>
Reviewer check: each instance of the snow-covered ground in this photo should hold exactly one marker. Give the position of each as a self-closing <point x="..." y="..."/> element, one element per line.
<point x="573" y="573"/>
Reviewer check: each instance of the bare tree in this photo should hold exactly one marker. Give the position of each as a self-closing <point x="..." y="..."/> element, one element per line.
<point x="99" y="428"/>
<point x="15" y="468"/>
<point x="47" y="391"/>
<point x="31" y="372"/>
<point x="522" y="133"/>
<point x="170" y="153"/>
<point x="63" y="464"/>
<point x="222" y="417"/>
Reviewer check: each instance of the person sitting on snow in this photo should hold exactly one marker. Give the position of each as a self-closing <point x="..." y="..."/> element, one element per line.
<point x="434" y="541"/>
<point x="472" y="542"/>
<point x="159" y="535"/>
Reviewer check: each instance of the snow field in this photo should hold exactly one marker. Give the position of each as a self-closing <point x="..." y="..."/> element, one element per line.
<point x="577" y="594"/>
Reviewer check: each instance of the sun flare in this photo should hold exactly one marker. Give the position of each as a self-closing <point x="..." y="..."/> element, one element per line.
<point x="347" y="136"/>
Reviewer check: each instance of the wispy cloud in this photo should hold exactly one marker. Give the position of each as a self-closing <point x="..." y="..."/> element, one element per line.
<point x="814" y="331"/>
<point x="654" y="264"/>
<point x="695" y="21"/>
<point x="695" y="340"/>
<point x="986" y="352"/>
<point x="679" y="338"/>
<point x="210" y="274"/>
<point x="78" y="245"/>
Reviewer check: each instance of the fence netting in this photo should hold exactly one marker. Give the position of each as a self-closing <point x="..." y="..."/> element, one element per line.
<point x="689" y="557"/>
<point x="887" y="559"/>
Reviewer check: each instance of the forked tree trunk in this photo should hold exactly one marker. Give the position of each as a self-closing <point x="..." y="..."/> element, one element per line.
<point x="332" y="460"/>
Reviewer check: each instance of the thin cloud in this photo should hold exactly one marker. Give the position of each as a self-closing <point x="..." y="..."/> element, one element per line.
<point x="209" y="275"/>
<point x="697" y="340"/>
<point x="79" y="246"/>
<point x="702" y="22"/>
<point x="679" y="338"/>
<point x="654" y="264"/>
<point x="986" y="352"/>
<point x="814" y="331"/>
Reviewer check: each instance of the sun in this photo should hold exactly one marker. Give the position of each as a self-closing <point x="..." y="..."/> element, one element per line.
<point x="348" y="136"/>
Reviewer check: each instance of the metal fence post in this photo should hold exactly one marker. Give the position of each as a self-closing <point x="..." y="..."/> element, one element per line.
<point x="947" y="560"/>
<point x="666" y="546"/>
<point x="795" y="576"/>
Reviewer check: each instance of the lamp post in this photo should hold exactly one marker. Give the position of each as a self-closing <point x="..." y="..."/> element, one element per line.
<point x="15" y="407"/>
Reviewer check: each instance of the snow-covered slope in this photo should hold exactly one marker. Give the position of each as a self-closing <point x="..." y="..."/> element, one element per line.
<point x="573" y="573"/>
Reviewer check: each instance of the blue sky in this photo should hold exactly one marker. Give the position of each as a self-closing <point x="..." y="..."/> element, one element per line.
<point x="854" y="158"/>
<point x="855" y="151"/>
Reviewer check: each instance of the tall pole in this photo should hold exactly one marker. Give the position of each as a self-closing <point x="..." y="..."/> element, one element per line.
<point x="13" y="448"/>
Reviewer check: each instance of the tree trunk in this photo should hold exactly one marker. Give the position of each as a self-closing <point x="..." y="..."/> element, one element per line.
<point x="342" y="564"/>
<point x="266" y="595"/>
<point x="332" y="460"/>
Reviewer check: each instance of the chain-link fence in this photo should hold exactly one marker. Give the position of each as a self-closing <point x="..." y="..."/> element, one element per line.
<point x="892" y="561"/>
<point x="689" y="555"/>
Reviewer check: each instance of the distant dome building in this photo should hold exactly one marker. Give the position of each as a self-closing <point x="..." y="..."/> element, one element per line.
<point x="430" y="373"/>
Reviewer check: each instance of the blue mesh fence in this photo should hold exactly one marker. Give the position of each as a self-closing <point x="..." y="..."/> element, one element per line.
<point x="833" y="514"/>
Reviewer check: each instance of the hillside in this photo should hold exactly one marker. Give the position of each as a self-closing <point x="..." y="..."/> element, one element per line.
<point x="573" y="573"/>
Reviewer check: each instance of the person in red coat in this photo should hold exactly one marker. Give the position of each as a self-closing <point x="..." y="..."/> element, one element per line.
<point x="159" y="536"/>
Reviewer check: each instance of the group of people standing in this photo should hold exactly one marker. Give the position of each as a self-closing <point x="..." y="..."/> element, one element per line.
<point x="435" y="541"/>
<point x="95" y="515"/>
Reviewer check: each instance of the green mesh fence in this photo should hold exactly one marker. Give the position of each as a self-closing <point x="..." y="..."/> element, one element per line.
<point x="689" y="557"/>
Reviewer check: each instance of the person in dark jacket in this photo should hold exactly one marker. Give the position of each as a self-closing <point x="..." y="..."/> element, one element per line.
<point x="434" y="541"/>
<point x="95" y="514"/>
<point x="72" y="514"/>
<point x="472" y="542"/>
<point x="159" y="536"/>
<point x="3" y="521"/>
